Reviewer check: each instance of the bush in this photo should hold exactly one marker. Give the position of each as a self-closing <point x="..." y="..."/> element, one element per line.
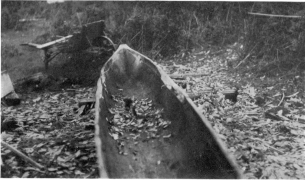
<point x="168" y="28"/>
<point x="8" y="20"/>
<point x="277" y="43"/>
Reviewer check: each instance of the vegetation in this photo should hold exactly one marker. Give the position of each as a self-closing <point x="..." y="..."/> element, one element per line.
<point x="161" y="29"/>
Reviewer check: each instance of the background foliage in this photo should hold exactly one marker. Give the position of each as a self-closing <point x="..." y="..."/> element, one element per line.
<point x="160" y="29"/>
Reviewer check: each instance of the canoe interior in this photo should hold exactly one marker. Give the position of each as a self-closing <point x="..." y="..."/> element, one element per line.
<point x="187" y="148"/>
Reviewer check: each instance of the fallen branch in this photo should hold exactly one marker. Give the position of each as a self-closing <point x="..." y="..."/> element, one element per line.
<point x="292" y="95"/>
<point x="20" y="154"/>
<point x="245" y="57"/>
<point x="281" y="100"/>
<point x="266" y="144"/>
<point x="275" y="15"/>
<point x="32" y="19"/>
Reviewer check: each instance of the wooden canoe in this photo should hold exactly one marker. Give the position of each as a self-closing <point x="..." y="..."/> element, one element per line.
<point x="174" y="141"/>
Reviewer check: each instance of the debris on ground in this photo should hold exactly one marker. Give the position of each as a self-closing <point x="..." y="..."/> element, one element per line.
<point x="52" y="134"/>
<point x="260" y="120"/>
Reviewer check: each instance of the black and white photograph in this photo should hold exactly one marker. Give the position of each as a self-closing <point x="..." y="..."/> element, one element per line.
<point x="153" y="89"/>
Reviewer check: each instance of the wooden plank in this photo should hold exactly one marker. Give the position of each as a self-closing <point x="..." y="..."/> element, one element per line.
<point x="54" y="42"/>
<point x="46" y="45"/>
<point x="6" y="84"/>
<point x="86" y="102"/>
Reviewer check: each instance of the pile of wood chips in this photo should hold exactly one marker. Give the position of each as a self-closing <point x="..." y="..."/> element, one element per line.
<point x="136" y="120"/>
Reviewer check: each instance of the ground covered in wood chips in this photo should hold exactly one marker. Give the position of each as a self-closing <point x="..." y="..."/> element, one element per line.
<point x="264" y="129"/>
<point x="53" y="134"/>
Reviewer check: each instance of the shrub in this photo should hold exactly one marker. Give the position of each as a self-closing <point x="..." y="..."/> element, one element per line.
<point x="277" y="43"/>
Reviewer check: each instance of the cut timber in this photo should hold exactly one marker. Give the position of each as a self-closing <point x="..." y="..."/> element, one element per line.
<point x="187" y="147"/>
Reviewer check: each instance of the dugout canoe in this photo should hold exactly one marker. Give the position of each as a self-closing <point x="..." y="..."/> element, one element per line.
<point x="174" y="141"/>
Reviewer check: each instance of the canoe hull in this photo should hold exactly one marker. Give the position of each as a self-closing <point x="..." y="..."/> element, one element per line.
<point x="187" y="148"/>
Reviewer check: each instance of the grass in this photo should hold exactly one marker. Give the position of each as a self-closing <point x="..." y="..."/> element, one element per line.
<point x="20" y="61"/>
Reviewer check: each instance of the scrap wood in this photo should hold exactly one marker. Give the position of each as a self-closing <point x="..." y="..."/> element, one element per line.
<point x="85" y="105"/>
<point x="182" y="76"/>
<point x="20" y="154"/>
<point x="47" y="45"/>
<point x="86" y="102"/>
